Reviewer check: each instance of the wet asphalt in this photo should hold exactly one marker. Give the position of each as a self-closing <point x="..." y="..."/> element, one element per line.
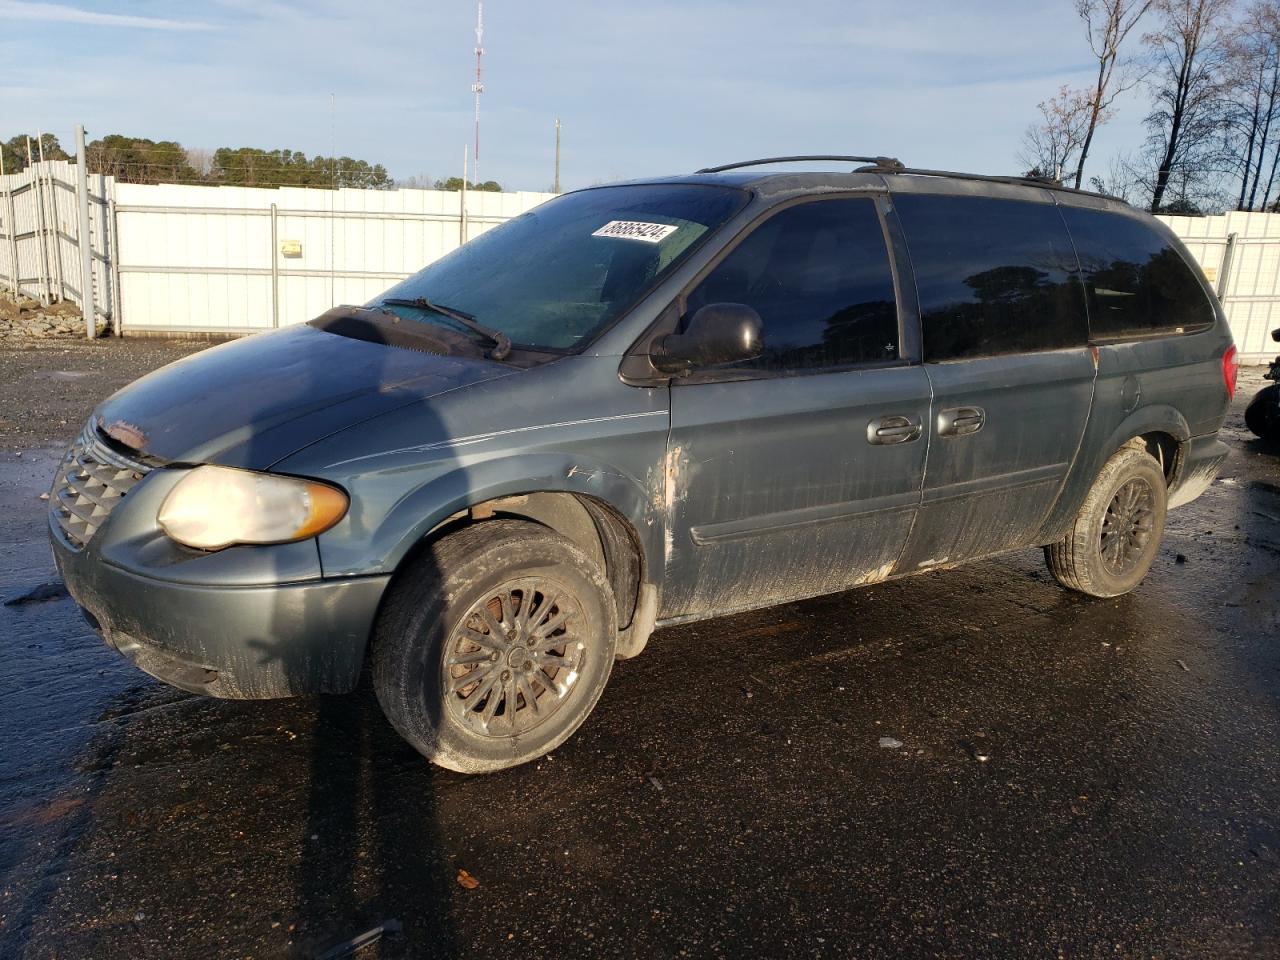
<point x="1075" y="777"/>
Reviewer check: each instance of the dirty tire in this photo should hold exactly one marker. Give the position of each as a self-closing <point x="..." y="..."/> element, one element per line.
<point x="1262" y="416"/>
<point x="476" y="596"/>
<point x="1128" y="501"/>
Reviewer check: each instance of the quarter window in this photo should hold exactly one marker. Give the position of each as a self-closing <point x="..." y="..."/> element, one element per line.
<point x="818" y="274"/>
<point x="993" y="276"/>
<point x="1138" y="284"/>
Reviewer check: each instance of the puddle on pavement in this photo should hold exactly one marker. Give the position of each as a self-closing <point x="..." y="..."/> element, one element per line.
<point x="56" y="679"/>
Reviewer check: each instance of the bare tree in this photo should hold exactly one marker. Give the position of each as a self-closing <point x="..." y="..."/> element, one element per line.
<point x="201" y="160"/>
<point x="1253" y="77"/>
<point x="1107" y="24"/>
<point x="1120" y="181"/>
<point x="1270" y="182"/>
<point x="1188" y="118"/>
<point x="1050" y="146"/>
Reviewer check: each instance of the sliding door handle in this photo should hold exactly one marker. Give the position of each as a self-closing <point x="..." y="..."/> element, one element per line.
<point x="883" y="430"/>
<point x="960" y="421"/>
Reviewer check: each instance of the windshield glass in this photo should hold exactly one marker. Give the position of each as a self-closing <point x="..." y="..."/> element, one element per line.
<point x="557" y="275"/>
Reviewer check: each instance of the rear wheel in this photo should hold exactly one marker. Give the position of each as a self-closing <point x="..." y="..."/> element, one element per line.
<point x="1116" y="534"/>
<point x="494" y="646"/>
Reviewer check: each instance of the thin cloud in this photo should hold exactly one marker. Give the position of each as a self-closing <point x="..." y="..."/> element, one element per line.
<point x="825" y="74"/>
<point x="61" y="13"/>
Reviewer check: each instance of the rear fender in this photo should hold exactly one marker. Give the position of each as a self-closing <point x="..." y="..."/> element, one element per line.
<point x="1093" y="455"/>
<point x="1158" y="418"/>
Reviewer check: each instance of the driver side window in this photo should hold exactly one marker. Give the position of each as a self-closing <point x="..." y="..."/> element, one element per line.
<point x="818" y="274"/>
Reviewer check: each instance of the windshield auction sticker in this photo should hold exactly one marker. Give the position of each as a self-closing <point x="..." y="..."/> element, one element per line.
<point x="636" y="230"/>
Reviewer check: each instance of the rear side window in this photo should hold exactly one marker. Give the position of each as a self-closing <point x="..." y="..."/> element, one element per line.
<point x="993" y="276"/>
<point x="1138" y="284"/>
<point x="818" y="274"/>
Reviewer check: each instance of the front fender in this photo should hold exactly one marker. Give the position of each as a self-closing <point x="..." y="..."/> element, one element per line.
<point x="379" y="547"/>
<point x="570" y="426"/>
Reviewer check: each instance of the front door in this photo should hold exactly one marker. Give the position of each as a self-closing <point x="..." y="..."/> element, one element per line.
<point x="1005" y="334"/>
<point x="797" y="473"/>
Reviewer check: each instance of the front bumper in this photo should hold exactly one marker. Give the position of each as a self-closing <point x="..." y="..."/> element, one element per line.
<point x="240" y="641"/>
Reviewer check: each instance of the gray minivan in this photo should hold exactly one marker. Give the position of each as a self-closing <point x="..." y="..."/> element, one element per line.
<point x="638" y="405"/>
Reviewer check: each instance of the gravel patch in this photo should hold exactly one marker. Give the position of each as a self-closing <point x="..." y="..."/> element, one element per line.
<point x="48" y="387"/>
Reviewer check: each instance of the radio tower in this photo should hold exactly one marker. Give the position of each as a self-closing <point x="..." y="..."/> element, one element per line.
<point x="478" y="88"/>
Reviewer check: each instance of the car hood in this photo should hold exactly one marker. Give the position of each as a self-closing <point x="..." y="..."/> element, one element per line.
<point x="251" y="402"/>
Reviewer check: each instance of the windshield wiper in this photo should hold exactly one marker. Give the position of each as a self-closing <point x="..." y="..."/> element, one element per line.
<point x="501" y="342"/>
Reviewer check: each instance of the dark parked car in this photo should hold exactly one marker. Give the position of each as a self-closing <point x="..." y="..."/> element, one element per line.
<point x="1262" y="416"/>
<point x="643" y="404"/>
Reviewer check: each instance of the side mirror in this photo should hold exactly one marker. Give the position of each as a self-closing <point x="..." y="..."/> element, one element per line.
<point x="717" y="333"/>
<point x="1275" y="334"/>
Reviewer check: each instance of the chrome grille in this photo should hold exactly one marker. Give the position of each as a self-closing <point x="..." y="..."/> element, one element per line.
<point x="90" y="481"/>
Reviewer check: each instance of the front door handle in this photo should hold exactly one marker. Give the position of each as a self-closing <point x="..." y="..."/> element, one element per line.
<point x="883" y="430"/>
<point x="960" y="421"/>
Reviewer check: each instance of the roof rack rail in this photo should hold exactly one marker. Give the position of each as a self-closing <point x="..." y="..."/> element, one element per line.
<point x="881" y="164"/>
<point x="1047" y="183"/>
<point x="892" y="165"/>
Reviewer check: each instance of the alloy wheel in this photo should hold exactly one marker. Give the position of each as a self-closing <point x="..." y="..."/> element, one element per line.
<point x="513" y="660"/>
<point x="1127" y="526"/>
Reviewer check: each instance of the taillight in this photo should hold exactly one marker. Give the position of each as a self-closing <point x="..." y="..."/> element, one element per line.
<point x="1230" y="367"/>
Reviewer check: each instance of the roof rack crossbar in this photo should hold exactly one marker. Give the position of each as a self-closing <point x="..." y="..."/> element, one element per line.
<point x="886" y="164"/>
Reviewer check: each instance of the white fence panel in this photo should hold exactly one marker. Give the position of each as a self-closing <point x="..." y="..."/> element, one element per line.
<point x="1251" y="295"/>
<point x="179" y="259"/>
<point x="39" y="235"/>
<point x="241" y="259"/>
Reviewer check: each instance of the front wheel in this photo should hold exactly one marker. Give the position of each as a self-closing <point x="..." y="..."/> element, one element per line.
<point x="1117" y="532"/>
<point x="1262" y="416"/>
<point x="494" y="646"/>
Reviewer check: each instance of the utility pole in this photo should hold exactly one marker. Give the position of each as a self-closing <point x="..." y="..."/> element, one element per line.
<point x="555" y="186"/>
<point x="8" y="223"/>
<point x="477" y="88"/>
<point x="85" y="238"/>
<point x="333" y="192"/>
<point x="13" y="234"/>
<point x="462" y="201"/>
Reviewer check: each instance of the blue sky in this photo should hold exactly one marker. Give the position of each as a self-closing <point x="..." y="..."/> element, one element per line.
<point x="641" y="87"/>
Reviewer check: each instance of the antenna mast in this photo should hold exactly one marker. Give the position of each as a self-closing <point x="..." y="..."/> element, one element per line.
<point x="478" y="88"/>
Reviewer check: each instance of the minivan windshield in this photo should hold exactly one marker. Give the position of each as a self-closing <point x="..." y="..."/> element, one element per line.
<point x="556" y="276"/>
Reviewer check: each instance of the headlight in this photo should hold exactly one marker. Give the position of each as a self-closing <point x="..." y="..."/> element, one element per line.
<point x="215" y="507"/>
